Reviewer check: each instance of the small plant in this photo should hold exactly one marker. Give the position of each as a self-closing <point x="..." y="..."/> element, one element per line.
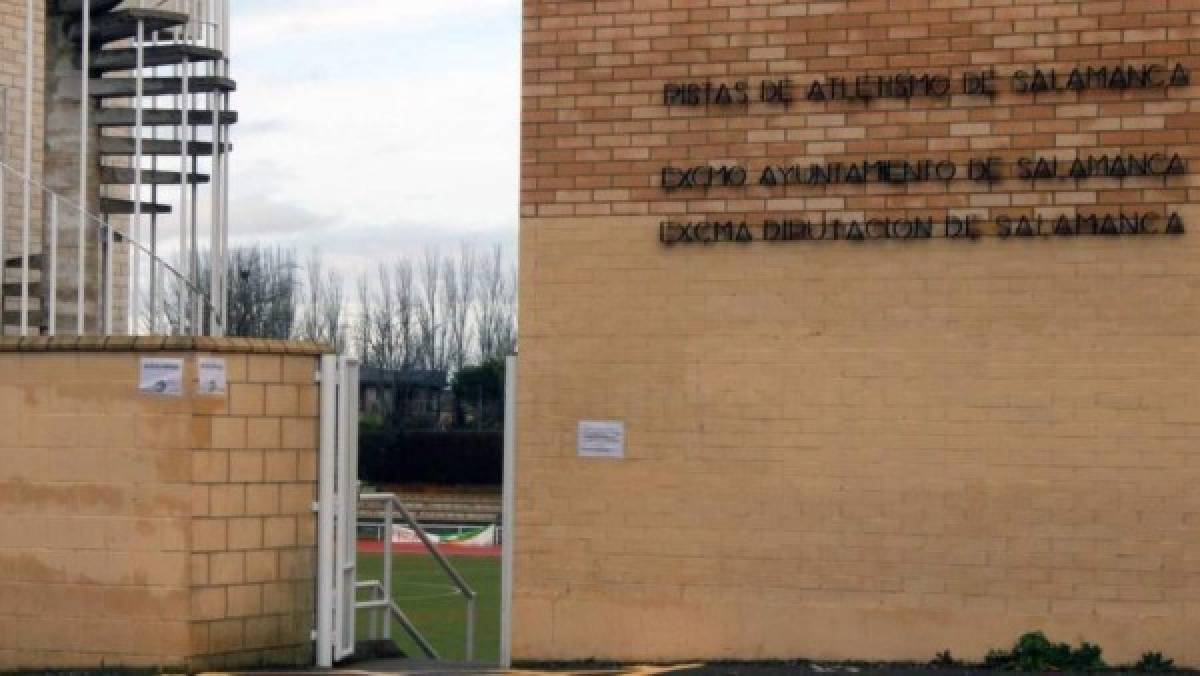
<point x="1155" y="661"/>
<point x="1035" y="652"/>
<point x="945" y="659"/>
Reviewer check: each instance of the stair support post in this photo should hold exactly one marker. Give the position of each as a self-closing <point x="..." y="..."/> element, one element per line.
<point x="84" y="110"/>
<point x="109" y="245"/>
<point x="50" y="305"/>
<point x="136" y="223"/>
<point x="185" y="257"/>
<point x="27" y="193"/>
<point x="214" y="220"/>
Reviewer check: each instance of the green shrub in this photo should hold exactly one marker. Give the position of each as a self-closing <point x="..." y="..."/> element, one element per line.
<point x="1154" y="662"/>
<point x="945" y="659"/>
<point x="1035" y="652"/>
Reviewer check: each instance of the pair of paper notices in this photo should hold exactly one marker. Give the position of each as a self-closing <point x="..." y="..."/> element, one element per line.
<point x="163" y="376"/>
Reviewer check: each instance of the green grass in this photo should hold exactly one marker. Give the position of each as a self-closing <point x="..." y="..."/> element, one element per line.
<point x="424" y="593"/>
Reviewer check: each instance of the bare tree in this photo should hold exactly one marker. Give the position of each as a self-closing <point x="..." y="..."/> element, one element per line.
<point x="431" y="324"/>
<point x="387" y="352"/>
<point x="460" y="296"/>
<point x="495" y="311"/>
<point x="362" y="330"/>
<point x="321" y="317"/>
<point x="404" y="292"/>
<point x="260" y="295"/>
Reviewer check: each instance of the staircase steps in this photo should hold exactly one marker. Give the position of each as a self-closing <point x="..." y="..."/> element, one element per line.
<point x="13" y="290"/>
<point x="111" y="205"/>
<point x="119" y="145"/>
<point x="13" y="318"/>
<point x="125" y="58"/>
<point x="127" y="176"/>
<point x="14" y="262"/>
<point x="122" y="24"/>
<point x="124" y="117"/>
<point x="76" y="6"/>
<point x="126" y="87"/>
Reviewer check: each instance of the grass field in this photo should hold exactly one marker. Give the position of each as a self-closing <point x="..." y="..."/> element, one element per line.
<point x="424" y="593"/>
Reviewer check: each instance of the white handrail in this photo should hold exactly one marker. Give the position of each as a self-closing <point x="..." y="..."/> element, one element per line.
<point x="392" y="505"/>
<point x="55" y="203"/>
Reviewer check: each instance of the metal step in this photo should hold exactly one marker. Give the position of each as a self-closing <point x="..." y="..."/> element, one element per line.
<point x="123" y="145"/>
<point x="124" y="117"/>
<point x="76" y="6"/>
<point x="125" y="58"/>
<point x="122" y="24"/>
<point x="14" y="262"/>
<point x="113" y="206"/>
<point x="127" y="176"/>
<point x="126" y="87"/>
<point x="12" y="318"/>
<point x="13" y="290"/>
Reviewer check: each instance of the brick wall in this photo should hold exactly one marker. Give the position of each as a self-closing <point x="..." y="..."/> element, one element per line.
<point x="877" y="449"/>
<point x="156" y="531"/>
<point x="253" y="560"/>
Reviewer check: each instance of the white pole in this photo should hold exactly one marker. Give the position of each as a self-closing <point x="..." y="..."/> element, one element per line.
<point x="226" y="46"/>
<point x="51" y="303"/>
<point x="3" y="200"/>
<point x="383" y="613"/>
<point x="109" y="245"/>
<point x="326" y="507"/>
<point x="27" y="213"/>
<point x="185" y="135"/>
<point x="214" y="216"/>
<point x="508" y="510"/>
<point x="84" y="112"/>
<point x="154" y="306"/>
<point x="135" y="225"/>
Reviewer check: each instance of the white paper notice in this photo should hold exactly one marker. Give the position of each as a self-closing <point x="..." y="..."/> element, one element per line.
<point x="601" y="439"/>
<point x="161" y="376"/>
<point x="211" y="371"/>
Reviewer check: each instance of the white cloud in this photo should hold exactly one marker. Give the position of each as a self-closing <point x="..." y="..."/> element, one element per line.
<point x="381" y="145"/>
<point x="274" y="21"/>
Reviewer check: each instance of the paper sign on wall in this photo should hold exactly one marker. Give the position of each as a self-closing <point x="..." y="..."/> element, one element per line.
<point x="161" y="376"/>
<point x="601" y="439"/>
<point x="211" y="372"/>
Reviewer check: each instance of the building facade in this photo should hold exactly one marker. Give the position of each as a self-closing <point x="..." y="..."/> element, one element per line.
<point x="895" y="303"/>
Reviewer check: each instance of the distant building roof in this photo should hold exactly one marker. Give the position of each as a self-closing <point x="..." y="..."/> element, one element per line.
<point x="373" y="375"/>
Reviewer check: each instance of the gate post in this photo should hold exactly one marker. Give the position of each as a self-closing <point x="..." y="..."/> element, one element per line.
<point x="507" y="512"/>
<point x="326" y="506"/>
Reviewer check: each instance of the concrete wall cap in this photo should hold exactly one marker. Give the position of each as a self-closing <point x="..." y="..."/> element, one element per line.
<point x="159" y="344"/>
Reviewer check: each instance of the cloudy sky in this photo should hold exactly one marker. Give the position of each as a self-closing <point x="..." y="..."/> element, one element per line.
<point x="374" y="127"/>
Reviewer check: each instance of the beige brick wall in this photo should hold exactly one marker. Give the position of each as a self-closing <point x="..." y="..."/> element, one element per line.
<point x="253" y="530"/>
<point x="147" y="531"/>
<point x="869" y="450"/>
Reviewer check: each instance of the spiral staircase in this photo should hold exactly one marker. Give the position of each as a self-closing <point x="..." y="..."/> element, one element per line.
<point x="156" y="95"/>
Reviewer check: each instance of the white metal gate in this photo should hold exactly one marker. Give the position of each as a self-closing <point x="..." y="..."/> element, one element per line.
<point x="337" y="509"/>
<point x="337" y="525"/>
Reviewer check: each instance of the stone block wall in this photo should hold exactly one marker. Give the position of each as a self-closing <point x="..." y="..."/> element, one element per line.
<point x="139" y="530"/>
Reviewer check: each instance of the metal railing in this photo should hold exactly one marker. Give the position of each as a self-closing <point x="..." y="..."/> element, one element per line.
<point x="382" y="604"/>
<point x="78" y="249"/>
